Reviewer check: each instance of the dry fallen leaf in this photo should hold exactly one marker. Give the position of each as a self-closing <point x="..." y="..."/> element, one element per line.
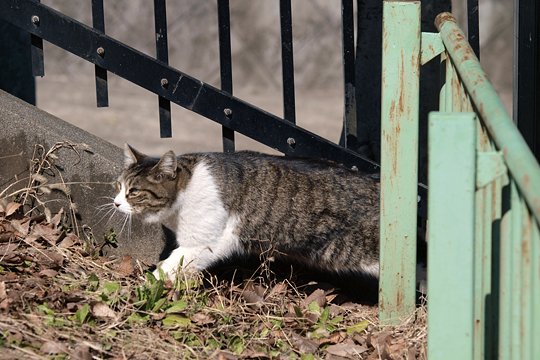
<point x="252" y="297"/>
<point x="346" y="349"/>
<point x="304" y="345"/>
<point x="46" y="232"/>
<point x="21" y="226"/>
<point x="278" y="289"/>
<point x="11" y="208"/>
<point x="48" y="273"/>
<point x="4" y="300"/>
<point x="56" y="219"/>
<point x="317" y="296"/>
<point x="50" y="259"/>
<point x="81" y="352"/>
<point x="125" y="267"/>
<point x="69" y="241"/>
<point x="102" y="310"/>
<point x="52" y="347"/>
<point x="8" y="255"/>
<point x="202" y="319"/>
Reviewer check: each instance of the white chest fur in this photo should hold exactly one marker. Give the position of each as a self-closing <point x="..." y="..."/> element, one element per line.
<point x="206" y="231"/>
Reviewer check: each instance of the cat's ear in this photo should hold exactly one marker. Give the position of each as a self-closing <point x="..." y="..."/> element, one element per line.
<point x="166" y="166"/>
<point x="132" y="156"/>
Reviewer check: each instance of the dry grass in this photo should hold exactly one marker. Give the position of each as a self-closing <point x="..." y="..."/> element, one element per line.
<point x="59" y="299"/>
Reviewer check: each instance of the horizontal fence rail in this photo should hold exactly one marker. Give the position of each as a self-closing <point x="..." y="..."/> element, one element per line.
<point x="175" y="86"/>
<point x="481" y="158"/>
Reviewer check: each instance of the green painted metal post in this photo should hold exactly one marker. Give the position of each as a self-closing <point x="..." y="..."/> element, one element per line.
<point x="451" y="207"/>
<point x="399" y="159"/>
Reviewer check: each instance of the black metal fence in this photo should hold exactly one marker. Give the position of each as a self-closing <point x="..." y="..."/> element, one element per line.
<point x="359" y="145"/>
<point x="172" y="85"/>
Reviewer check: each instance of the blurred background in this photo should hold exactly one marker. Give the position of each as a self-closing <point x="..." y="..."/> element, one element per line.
<point x="132" y="115"/>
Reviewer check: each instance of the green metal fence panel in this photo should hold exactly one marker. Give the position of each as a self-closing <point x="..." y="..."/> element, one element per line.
<point x="517" y="154"/>
<point x="399" y="159"/>
<point x="484" y="201"/>
<point x="451" y="213"/>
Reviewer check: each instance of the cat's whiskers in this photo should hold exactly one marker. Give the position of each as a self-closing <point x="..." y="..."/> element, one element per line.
<point x="99" y="209"/>
<point x="129" y="227"/>
<point x="108" y="213"/>
<point x="126" y="220"/>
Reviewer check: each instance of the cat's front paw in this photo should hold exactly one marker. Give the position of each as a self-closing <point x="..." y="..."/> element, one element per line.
<point x="166" y="271"/>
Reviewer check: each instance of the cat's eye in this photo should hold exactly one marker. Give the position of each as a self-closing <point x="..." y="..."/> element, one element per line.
<point x="134" y="192"/>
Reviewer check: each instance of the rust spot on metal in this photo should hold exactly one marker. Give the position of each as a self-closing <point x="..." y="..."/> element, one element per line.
<point x="477" y="327"/>
<point x="402" y="84"/>
<point x="392" y="110"/>
<point x="399" y="297"/>
<point x="442" y="18"/>
<point x="526" y="181"/>
<point x="525" y="251"/>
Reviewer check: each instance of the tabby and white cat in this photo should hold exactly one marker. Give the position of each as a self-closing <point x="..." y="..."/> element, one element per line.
<point x="314" y="212"/>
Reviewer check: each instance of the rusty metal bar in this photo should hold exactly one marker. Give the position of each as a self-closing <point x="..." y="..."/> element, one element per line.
<point x="399" y="159"/>
<point x="521" y="162"/>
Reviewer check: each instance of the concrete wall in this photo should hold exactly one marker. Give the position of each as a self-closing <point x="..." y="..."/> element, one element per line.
<point x="88" y="172"/>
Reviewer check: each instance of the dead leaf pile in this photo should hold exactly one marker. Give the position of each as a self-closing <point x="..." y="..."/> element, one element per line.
<point x="58" y="300"/>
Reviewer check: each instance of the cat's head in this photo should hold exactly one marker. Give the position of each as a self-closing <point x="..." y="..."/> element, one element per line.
<point x="147" y="186"/>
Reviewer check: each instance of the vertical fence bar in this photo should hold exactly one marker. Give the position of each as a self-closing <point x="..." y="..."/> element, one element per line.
<point x="452" y="171"/>
<point x="496" y="263"/>
<point x="347" y="41"/>
<point x="515" y="340"/>
<point x="506" y="272"/>
<point x="527" y="71"/>
<point x="287" y="61"/>
<point x="478" y="299"/>
<point x="36" y="49"/>
<point x="225" y="65"/>
<point x="98" y="22"/>
<point x="444" y="83"/>
<point x="473" y="28"/>
<point x="162" y="54"/>
<point x="526" y="282"/>
<point x="535" y="268"/>
<point x="399" y="159"/>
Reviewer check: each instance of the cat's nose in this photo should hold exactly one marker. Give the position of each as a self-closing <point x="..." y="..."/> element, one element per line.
<point x="117" y="204"/>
